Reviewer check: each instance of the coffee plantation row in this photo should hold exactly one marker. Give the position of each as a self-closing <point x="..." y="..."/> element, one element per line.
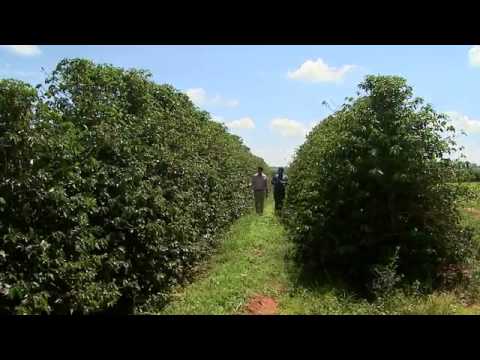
<point x="112" y="189"/>
<point x="374" y="195"/>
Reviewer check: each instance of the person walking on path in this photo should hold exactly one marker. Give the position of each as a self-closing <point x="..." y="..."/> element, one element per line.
<point x="279" y="182"/>
<point x="260" y="189"/>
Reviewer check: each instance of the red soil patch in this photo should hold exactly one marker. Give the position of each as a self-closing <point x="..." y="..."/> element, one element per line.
<point x="262" y="305"/>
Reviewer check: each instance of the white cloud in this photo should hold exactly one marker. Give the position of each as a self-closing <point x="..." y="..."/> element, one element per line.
<point x="282" y="151"/>
<point x="218" y="119"/>
<point x="471" y="141"/>
<point x="472" y="153"/>
<point x="199" y="97"/>
<point x="470" y="150"/>
<point x="463" y="122"/>
<point x="474" y="55"/>
<point x="24" y="50"/>
<point x="275" y="155"/>
<point x="288" y="128"/>
<point x="319" y="71"/>
<point x="243" y="123"/>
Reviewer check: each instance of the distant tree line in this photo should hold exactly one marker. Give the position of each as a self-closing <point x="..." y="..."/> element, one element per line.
<point x="470" y="171"/>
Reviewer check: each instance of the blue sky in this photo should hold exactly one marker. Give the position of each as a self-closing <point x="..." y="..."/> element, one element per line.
<point x="272" y="95"/>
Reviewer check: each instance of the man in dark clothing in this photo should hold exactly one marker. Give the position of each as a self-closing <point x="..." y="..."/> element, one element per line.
<point x="279" y="182"/>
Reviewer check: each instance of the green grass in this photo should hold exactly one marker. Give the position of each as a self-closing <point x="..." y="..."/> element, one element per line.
<point x="250" y="261"/>
<point x="253" y="259"/>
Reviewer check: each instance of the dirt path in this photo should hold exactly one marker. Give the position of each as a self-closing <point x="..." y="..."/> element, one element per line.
<point x="247" y="276"/>
<point x="474" y="212"/>
<point x="262" y="305"/>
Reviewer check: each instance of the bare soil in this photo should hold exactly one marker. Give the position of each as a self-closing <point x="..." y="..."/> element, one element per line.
<point x="262" y="305"/>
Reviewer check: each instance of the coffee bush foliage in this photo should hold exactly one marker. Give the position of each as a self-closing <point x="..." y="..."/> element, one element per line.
<point x="112" y="189"/>
<point x="374" y="182"/>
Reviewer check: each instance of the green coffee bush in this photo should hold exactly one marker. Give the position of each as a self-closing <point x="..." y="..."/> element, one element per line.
<point x="112" y="188"/>
<point x="373" y="177"/>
